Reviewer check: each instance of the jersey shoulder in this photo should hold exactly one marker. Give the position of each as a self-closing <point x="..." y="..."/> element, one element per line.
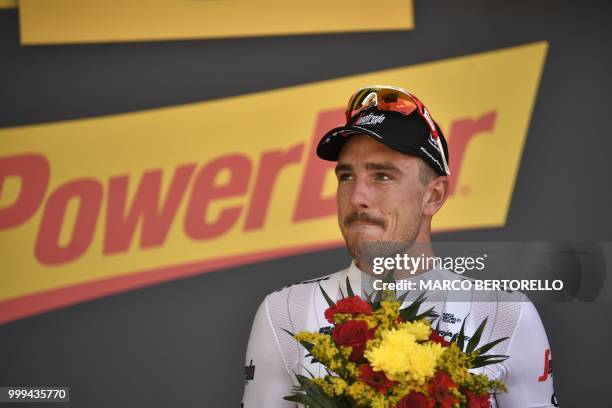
<point x="293" y="302"/>
<point x="306" y="283"/>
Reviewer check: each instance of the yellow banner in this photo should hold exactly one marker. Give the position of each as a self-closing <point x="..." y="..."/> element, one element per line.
<point x="98" y="199"/>
<point x="5" y="4"/>
<point x="79" y="21"/>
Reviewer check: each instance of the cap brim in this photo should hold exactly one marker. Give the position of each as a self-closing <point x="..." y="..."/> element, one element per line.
<point x="331" y="143"/>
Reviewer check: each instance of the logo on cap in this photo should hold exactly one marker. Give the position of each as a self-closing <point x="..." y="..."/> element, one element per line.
<point x="370" y="119"/>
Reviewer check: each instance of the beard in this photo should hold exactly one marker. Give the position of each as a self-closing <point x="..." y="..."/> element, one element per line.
<point x="364" y="247"/>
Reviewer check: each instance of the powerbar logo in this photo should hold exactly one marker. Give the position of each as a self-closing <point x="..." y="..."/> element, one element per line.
<point x="106" y="205"/>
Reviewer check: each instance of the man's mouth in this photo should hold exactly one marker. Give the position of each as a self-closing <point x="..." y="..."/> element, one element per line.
<point x="364" y="224"/>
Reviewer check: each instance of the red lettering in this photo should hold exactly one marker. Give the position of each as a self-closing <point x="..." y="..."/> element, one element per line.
<point x="544" y="375"/>
<point x="310" y="203"/>
<point x="461" y="133"/>
<point x="156" y="222"/>
<point x="33" y="169"/>
<point x="205" y="191"/>
<point x="47" y="248"/>
<point x="270" y="166"/>
<point x="156" y="213"/>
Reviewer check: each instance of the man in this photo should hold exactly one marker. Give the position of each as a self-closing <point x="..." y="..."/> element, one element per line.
<point x="392" y="171"/>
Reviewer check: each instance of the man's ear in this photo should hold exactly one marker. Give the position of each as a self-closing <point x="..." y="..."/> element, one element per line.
<point x="435" y="196"/>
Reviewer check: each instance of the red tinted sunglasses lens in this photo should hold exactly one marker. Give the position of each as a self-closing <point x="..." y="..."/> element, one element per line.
<point x="384" y="99"/>
<point x="401" y="106"/>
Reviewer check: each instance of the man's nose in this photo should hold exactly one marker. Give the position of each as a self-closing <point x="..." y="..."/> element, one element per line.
<point x="361" y="195"/>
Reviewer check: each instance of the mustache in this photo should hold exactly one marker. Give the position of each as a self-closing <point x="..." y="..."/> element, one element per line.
<point x="363" y="217"/>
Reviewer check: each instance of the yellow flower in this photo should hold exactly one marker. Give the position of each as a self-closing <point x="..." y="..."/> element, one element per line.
<point x="386" y="314"/>
<point x="380" y="401"/>
<point x="455" y="363"/>
<point x="403" y="359"/>
<point x="325" y="386"/>
<point x="338" y="384"/>
<point x="361" y="392"/>
<point x="333" y="357"/>
<point x="421" y="329"/>
<point x="372" y="321"/>
<point x="323" y="348"/>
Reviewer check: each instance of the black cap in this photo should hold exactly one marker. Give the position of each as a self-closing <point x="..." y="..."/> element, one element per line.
<point x="408" y="134"/>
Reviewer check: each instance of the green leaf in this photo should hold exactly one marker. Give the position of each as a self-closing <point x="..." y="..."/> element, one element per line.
<point x="409" y="313"/>
<point x="402" y="298"/>
<point x="288" y="332"/>
<point x="428" y="313"/>
<point x="313" y="359"/>
<point x="377" y="299"/>
<point x="299" y="398"/>
<point x="327" y="298"/>
<point x="482" y="361"/>
<point x="490" y="345"/>
<point x="490" y="356"/>
<point x="388" y="278"/>
<point x="349" y="290"/>
<point x="309" y="372"/>
<point x="310" y="394"/>
<point x="476" y="337"/>
<point x="460" y="337"/>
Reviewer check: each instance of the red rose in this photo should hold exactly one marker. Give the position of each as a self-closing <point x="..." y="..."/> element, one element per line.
<point x="353" y="305"/>
<point x="376" y="379"/>
<point x="354" y="333"/>
<point x="477" y="401"/>
<point x="436" y="338"/>
<point x="415" y="400"/>
<point x="440" y="389"/>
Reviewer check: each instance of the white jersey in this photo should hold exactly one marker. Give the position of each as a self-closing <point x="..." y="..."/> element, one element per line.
<point x="273" y="357"/>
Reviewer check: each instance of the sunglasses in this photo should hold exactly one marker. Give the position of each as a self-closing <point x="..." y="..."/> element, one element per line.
<point x="393" y="99"/>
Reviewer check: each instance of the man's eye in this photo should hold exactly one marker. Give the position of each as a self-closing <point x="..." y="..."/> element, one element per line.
<point x="345" y="176"/>
<point x="382" y="176"/>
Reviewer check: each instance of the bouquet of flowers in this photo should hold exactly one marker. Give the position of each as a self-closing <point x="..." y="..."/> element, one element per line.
<point x="378" y="355"/>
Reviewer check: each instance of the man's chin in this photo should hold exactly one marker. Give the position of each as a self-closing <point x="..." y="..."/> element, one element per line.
<point x="364" y="233"/>
<point x="357" y="241"/>
<point x="358" y="245"/>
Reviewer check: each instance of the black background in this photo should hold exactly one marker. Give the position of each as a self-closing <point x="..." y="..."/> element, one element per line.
<point x="182" y="343"/>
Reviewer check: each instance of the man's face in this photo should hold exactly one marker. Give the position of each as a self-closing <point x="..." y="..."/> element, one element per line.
<point x="380" y="196"/>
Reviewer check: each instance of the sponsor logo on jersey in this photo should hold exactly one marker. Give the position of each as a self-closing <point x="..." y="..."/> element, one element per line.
<point x="450" y="334"/>
<point x="92" y="207"/>
<point x="548" y="369"/>
<point x="249" y="372"/>
<point x="450" y="318"/>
